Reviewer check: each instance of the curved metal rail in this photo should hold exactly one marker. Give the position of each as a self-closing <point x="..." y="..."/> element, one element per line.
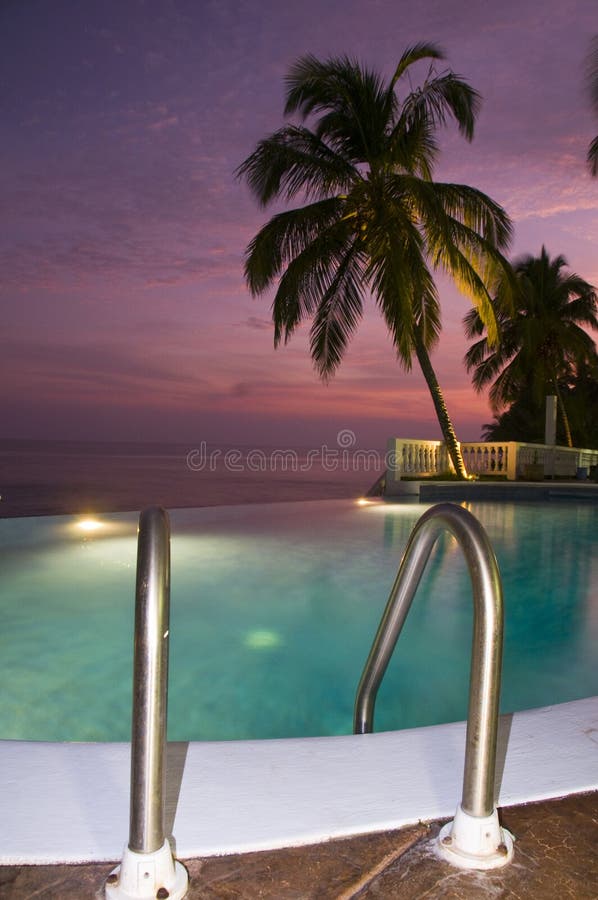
<point x="484" y="687"/>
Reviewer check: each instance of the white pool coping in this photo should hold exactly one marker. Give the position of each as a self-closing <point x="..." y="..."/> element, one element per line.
<point x="69" y="803"/>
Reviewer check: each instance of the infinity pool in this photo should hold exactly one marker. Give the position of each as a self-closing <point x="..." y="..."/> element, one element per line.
<point x="273" y="609"/>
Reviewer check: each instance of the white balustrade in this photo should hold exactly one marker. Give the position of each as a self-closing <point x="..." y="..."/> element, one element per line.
<point x="412" y="458"/>
<point x="487" y="458"/>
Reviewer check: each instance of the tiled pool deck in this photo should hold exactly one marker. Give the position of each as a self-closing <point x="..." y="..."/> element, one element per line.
<point x="555" y="857"/>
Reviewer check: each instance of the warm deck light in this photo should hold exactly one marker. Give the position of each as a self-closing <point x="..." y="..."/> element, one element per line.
<point x="89" y="525"/>
<point x="92" y="528"/>
<point x="394" y="509"/>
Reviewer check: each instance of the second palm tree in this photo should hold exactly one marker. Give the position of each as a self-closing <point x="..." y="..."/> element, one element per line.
<point x="544" y="338"/>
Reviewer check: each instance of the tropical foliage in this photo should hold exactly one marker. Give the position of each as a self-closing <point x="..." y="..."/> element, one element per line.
<point x="583" y="405"/>
<point x="371" y="219"/>
<point x="524" y="420"/>
<point x="545" y="347"/>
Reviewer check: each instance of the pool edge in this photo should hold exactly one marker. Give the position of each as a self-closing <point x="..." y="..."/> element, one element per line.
<point x="69" y="803"/>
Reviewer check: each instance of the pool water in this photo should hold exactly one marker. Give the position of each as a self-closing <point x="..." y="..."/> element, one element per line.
<point x="273" y="610"/>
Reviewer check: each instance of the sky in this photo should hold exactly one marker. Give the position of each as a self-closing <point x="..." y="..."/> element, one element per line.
<point x="124" y="313"/>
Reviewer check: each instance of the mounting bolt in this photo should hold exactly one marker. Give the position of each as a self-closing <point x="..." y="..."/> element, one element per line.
<point x="112" y="878"/>
<point x="503" y="849"/>
<point x="446" y="840"/>
<point x="162" y="894"/>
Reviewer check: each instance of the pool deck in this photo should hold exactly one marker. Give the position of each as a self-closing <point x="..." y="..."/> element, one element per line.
<point x="315" y="817"/>
<point x="555" y="857"/>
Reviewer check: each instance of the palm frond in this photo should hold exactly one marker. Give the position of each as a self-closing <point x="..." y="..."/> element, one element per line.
<point x="440" y="98"/>
<point x="477" y="211"/>
<point x="583" y="311"/>
<point x="401" y="283"/>
<point x="510" y="384"/>
<point x="338" y="314"/>
<point x="422" y="50"/>
<point x="477" y="353"/>
<point x="294" y="160"/>
<point x="462" y="228"/>
<point x="307" y="278"/>
<point x="338" y="85"/>
<point x="464" y="268"/>
<point x="313" y="85"/>
<point x="473" y="324"/>
<point x="487" y="367"/>
<point x="351" y="102"/>
<point x="284" y="237"/>
<point x="413" y="150"/>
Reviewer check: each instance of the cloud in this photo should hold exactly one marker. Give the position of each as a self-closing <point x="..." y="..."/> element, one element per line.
<point x="167" y="122"/>
<point x="257" y="324"/>
<point x="241" y="389"/>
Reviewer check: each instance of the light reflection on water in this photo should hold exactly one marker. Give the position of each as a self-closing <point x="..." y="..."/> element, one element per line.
<point x="273" y="611"/>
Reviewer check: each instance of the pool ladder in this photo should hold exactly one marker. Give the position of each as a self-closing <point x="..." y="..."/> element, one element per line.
<point x="474" y="839"/>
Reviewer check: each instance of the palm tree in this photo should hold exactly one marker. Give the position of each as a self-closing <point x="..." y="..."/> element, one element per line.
<point x="371" y="218"/>
<point x="543" y="337"/>
<point x="592" y="80"/>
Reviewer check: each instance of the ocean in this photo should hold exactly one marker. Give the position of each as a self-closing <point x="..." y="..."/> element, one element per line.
<point x="52" y="477"/>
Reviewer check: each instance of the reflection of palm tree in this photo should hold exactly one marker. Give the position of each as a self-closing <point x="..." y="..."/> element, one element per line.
<point x="592" y="76"/>
<point x="372" y="216"/>
<point x="543" y="340"/>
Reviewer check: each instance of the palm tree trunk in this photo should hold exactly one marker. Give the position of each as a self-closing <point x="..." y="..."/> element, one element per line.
<point x="446" y="426"/>
<point x="563" y="411"/>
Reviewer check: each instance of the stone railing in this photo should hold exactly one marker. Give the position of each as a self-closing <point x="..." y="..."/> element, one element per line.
<point x="485" y="458"/>
<point x="513" y="460"/>
<point x="547" y="461"/>
<point x="412" y="457"/>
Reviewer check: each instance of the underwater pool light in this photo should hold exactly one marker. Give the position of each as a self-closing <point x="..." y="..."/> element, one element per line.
<point x="262" y="639"/>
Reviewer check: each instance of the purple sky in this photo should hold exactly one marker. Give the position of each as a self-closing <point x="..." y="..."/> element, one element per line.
<point x="124" y="311"/>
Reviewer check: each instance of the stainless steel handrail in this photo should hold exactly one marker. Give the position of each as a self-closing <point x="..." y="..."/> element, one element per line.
<point x="148" y="869"/>
<point x="150" y="682"/>
<point x="484" y="688"/>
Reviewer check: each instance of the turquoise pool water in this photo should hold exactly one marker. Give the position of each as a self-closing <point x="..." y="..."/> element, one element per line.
<point x="273" y="609"/>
